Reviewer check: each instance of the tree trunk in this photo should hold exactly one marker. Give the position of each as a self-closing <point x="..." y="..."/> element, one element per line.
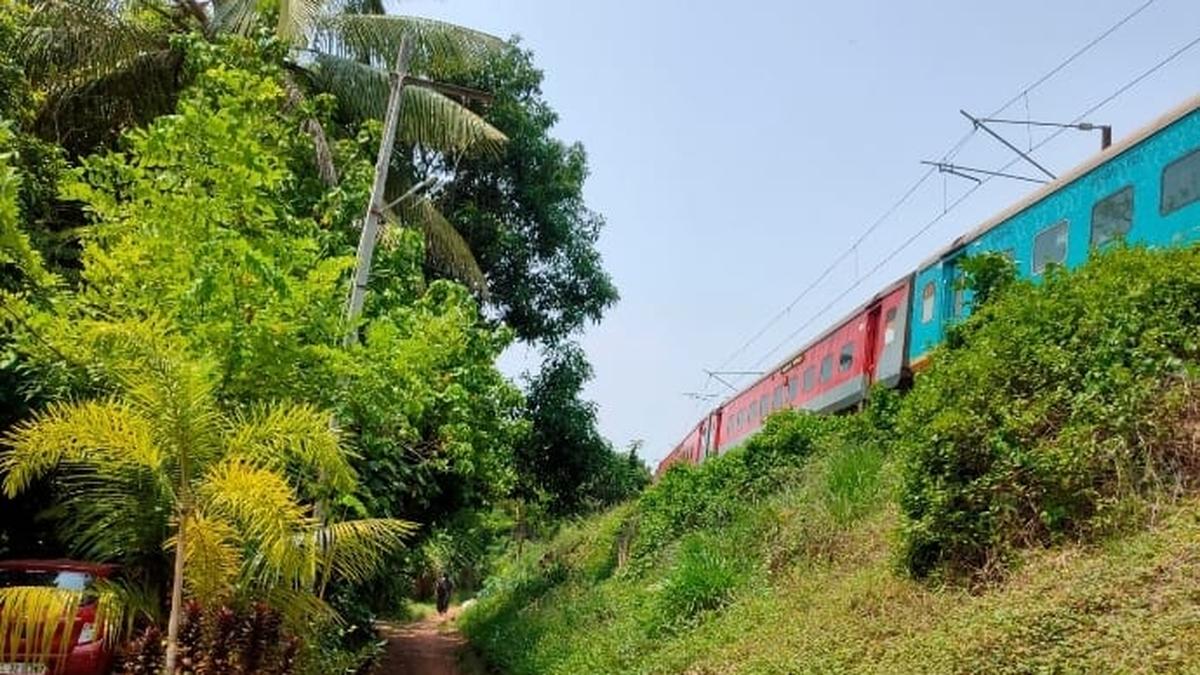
<point x="176" y="599"/>
<point x="311" y="126"/>
<point x="324" y="154"/>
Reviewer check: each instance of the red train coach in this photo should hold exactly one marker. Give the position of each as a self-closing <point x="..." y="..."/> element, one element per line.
<point x="832" y="372"/>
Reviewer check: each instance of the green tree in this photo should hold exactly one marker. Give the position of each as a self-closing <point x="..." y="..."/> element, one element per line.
<point x="565" y="460"/>
<point x="260" y="290"/>
<point x="105" y="67"/>
<point x="522" y="210"/>
<point x="159" y="463"/>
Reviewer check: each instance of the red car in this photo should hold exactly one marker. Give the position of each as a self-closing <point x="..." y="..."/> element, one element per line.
<point x="89" y="654"/>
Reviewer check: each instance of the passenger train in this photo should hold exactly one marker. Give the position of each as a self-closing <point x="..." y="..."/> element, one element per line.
<point x="1144" y="189"/>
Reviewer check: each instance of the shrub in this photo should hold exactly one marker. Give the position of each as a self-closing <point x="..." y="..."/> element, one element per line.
<point x="688" y="498"/>
<point x="1047" y="409"/>
<point x="219" y="641"/>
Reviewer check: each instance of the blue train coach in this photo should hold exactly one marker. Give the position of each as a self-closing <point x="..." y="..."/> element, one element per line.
<point x="1145" y="189"/>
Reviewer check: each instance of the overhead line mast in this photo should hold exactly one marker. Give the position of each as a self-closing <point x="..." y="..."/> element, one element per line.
<point x="920" y="181"/>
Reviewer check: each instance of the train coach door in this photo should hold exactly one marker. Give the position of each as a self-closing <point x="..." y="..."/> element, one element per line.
<point x="871" y="345"/>
<point x="954" y="299"/>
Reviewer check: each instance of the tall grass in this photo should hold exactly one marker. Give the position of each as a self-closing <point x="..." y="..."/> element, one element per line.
<point x="703" y="579"/>
<point x="852" y="481"/>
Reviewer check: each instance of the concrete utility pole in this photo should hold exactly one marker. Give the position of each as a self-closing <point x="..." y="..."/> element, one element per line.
<point x="375" y="207"/>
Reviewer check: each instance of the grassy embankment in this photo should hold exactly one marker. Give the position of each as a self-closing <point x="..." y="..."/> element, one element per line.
<point x="1048" y="521"/>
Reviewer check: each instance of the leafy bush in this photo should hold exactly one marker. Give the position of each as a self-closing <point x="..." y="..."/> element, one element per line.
<point x="219" y="640"/>
<point x="1051" y="405"/>
<point x="688" y="497"/>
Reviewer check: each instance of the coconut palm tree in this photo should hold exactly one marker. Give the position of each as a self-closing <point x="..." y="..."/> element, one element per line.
<point x="160" y="464"/>
<point x="106" y="65"/>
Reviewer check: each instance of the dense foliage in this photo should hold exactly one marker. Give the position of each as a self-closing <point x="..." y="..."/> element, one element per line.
<point x="565" y="461"/>
<point x="212" y="236"/>
<point x="216" y="221"/>
<point x="607" y="595"/>
<point x="1057" y="400"/>
<point x="179" y="190"/>
<point x="522" y="210"/>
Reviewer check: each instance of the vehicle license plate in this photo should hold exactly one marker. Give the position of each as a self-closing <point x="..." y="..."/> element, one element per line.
<point x="22" y="669"/>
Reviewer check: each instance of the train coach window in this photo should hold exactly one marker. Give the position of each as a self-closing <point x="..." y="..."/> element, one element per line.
<point x="889" y="326"/>
<point x="778" y="402"/>
<point x="1180" y="183"/>
<point x="793" y="384"/>
<point x="827" y="368"/>
<point x="810" y="378"/>
<point x="1050" y="247"/>
<point x="927" y="297"/>
<point x="846" y="359"/>
<point x="764" y="406"/>
<point x="1112" y="217"/>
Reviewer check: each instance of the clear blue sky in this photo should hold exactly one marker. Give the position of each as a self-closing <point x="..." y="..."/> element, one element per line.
<point x="736" y="148"/>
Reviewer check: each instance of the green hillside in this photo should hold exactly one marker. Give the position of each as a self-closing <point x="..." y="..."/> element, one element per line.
<point x="1027" y="507"/>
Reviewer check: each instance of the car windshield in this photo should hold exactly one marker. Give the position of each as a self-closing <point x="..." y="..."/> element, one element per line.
<point x="63" y="579"/>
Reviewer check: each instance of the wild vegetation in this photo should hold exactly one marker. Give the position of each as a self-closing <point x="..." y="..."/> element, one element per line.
<point x="180" y="187"/>
<point x="1028" y="506"/>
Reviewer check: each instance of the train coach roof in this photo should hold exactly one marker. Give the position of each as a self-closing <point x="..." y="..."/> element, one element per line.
<point x="1111" y="152"/>
<point x="808" y="344"/>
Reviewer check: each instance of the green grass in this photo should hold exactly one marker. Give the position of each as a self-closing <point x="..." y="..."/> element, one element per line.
<point x="1024" y="508"/>
<point x="807" y="581"/>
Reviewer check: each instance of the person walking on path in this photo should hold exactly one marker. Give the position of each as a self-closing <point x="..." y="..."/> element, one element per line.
<point x="443" y="590"/>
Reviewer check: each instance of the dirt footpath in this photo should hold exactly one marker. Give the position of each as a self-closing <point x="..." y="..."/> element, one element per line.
<point x="432" y="646"/>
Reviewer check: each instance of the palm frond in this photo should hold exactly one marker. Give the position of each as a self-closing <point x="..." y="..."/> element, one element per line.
<point x="300" y="609"/>
<point x="115" y="511"/>
<point x="93" y="108"/>
<point x="263" y="508"/>
<point x="427" y="118"/>
<point x="212" y="557"/>
<point x="160" y="383"/>
<point x="356" y="550"/>
<point x="237" y="17"/>
<point x="296" y="20"/>
<point x="90" y="433"/>
<point x="375" y="39"/>
<point x="121" y="605"/>
<point x="295" y="435"/>
<point x="66" y="43"/>
<point x="30" y="621"/>
<point x="434" y="120"/>
<point x="445" y="249"/>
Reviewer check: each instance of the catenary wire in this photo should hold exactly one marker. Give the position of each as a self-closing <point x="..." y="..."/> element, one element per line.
<point x="954" y="149"/>
<point x="1103" y="102"/>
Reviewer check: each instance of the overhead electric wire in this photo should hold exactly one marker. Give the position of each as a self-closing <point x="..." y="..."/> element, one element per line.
<point x="924" y="177"/>
<point x="1103" y="102"/>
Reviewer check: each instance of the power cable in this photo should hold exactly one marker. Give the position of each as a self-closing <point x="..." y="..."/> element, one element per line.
<point x="924" y="177"/>
<point x="1105" y="101"/>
